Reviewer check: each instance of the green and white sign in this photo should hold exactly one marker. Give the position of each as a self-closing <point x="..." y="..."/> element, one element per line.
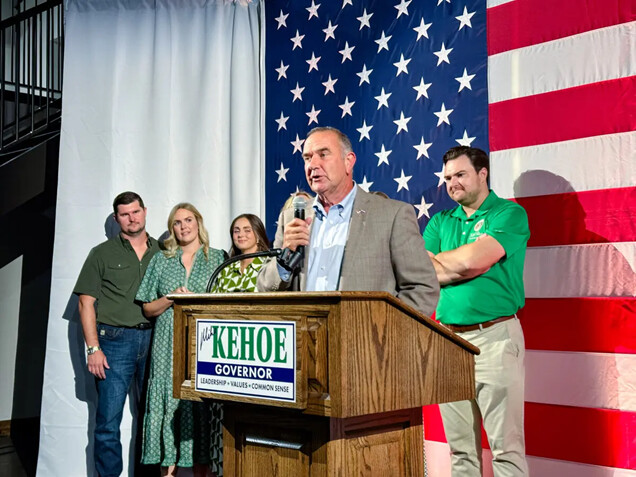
<point x="247" y="358"/>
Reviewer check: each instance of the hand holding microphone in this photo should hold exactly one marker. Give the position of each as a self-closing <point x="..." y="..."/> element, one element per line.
<point x="295" y="237"/>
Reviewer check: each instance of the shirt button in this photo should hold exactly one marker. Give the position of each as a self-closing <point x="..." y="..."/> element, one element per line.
<point x="463" y="233"/>
<point x="322" y="268"/>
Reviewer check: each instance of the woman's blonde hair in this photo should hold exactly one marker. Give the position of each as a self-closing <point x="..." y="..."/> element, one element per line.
<point x="289" y="203"/>
<point x="171" y="245"/>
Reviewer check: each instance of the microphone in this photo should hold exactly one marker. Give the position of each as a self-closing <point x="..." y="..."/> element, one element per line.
<point x="297" y="258"/>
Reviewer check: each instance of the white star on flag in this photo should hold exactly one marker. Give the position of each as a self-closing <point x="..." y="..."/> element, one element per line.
<point x="282" y="121"/>
<point x="422" y="208"/>
<point x="442" y="115"/>
<point x="329" y="85"/>
<point x="402" y="65"/>
<point x="346" y="107"/>
<point x="422" y="148"/>
<point x="313" y="10"/>
<point x="403" y="181"/>
<point x="383" y="156"/>
<point x="297" y="92"/>
<point x="383" y="99"/>
<point x="329" y="31"/>
<point x="364" y="19"/>
<point x="297" y="40"/>
<point x="313" y="115"/>
<point x="464" y="80"/>
<point x="422" y="89"/>
<point x="364" y="75"/>
<point x="440" y="1"/>
<point x="442" y="55"/>
<point x="402" y="8"/>
<point x="383" y="42"/>
<point x="298" y="144"/>
<point x="365" y="185"/>
<point x="282" y="70"/>
<point x="313" y="62"/>
<point x="464" y="19"/>
<point x="465" y="140"/>
<point x="413" y="95"/>
<point x="440" y="177"/>
<point x="402" y="123"/>
<point x="422" y="29"/>
<point x="364" y="131"/>
<point x="281" y="20"/>
<point x="282" y="173"/>
<point x="346" y="52"/>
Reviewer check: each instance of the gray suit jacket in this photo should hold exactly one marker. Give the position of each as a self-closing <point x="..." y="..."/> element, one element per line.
<point x="384" y="252"/>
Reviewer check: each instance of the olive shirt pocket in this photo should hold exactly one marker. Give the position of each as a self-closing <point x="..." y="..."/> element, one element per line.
<point x="120" y="276"/>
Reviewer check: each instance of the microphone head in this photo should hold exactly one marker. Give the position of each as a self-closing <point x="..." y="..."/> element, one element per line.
<point x="299" y="202"/>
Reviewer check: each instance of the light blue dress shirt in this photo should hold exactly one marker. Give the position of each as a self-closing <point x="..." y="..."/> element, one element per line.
<point x="329" y="234"/>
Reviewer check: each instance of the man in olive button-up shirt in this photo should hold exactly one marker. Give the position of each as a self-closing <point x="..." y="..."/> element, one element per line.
<point x="116" y="332"/>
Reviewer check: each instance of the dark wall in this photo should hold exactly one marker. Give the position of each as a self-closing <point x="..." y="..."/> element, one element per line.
<point x="28" y="230"/>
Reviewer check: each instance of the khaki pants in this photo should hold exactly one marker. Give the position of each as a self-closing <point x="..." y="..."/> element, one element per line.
<point x="499" y="380"/>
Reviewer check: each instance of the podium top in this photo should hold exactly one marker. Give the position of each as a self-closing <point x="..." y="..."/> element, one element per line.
<point x="324" y="297"/>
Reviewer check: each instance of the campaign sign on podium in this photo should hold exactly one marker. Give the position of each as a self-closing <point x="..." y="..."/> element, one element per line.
<point x="249" y="358"/>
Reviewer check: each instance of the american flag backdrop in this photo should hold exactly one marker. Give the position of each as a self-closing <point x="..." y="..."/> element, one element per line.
<point x="547" y="87"/>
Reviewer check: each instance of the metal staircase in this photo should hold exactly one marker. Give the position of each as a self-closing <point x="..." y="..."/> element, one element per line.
<point x="31" y="66"/>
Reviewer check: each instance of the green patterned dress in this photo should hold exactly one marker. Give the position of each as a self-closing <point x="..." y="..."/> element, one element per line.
<point x="232" y="280"/>
<point x="176" y="432"/>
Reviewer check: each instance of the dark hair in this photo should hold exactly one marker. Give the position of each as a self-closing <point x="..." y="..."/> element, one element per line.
<point x="262" y="242"/>
<point x="126" y="198"/>
<point x="345" y="142"/>
<point x="478" y="158"/>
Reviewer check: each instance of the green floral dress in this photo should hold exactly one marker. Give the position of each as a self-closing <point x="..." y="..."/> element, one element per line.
<point x="176" y="432"/>
<point x="232" y="280"/>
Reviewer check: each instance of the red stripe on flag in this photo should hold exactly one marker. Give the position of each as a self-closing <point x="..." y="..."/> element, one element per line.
<point x="583" y="111"/>
<point x="529" y="22"/>
<point x="591" y="436"/>
<point x="595" y="325"/>
<point x="597" y="216"/>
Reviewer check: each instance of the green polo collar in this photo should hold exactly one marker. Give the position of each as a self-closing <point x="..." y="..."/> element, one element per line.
<point x="485" y="206"/>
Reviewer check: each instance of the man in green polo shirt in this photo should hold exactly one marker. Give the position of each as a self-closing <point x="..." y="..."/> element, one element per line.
<point x="116" y="332"/>
<point x="478" y="250"/>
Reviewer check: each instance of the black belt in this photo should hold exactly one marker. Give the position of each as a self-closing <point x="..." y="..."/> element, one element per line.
<point x="139" y="326"/>
<point x="479" y="326"/>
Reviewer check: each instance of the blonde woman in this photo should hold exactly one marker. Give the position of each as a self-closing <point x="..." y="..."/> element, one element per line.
<point x="176" y="433"/>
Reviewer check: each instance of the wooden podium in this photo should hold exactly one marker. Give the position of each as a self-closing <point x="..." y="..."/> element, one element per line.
<point x="365" y="364"/>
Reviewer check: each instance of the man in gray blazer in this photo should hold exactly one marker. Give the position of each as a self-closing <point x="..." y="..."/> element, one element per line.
<point x="354" y="240"/>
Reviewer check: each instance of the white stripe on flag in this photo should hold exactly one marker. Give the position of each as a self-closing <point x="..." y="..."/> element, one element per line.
<point x="612" y="157"/>
<point x="543" y="467"/>
<point x="438" y="465"/>
<point x="599" y="269"/>
<point x="590" y="57"/>
<point x="494" y="3"/>
<point x="597" y="380"/>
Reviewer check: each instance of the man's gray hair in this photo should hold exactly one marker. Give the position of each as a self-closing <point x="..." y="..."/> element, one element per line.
<point x="345" y="142"/>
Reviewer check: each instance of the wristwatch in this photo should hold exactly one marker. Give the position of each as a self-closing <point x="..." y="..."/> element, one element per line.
<point x="92" y="349"/>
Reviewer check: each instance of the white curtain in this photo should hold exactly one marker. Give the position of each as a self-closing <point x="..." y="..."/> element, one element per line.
<point x="161" y="97"/>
